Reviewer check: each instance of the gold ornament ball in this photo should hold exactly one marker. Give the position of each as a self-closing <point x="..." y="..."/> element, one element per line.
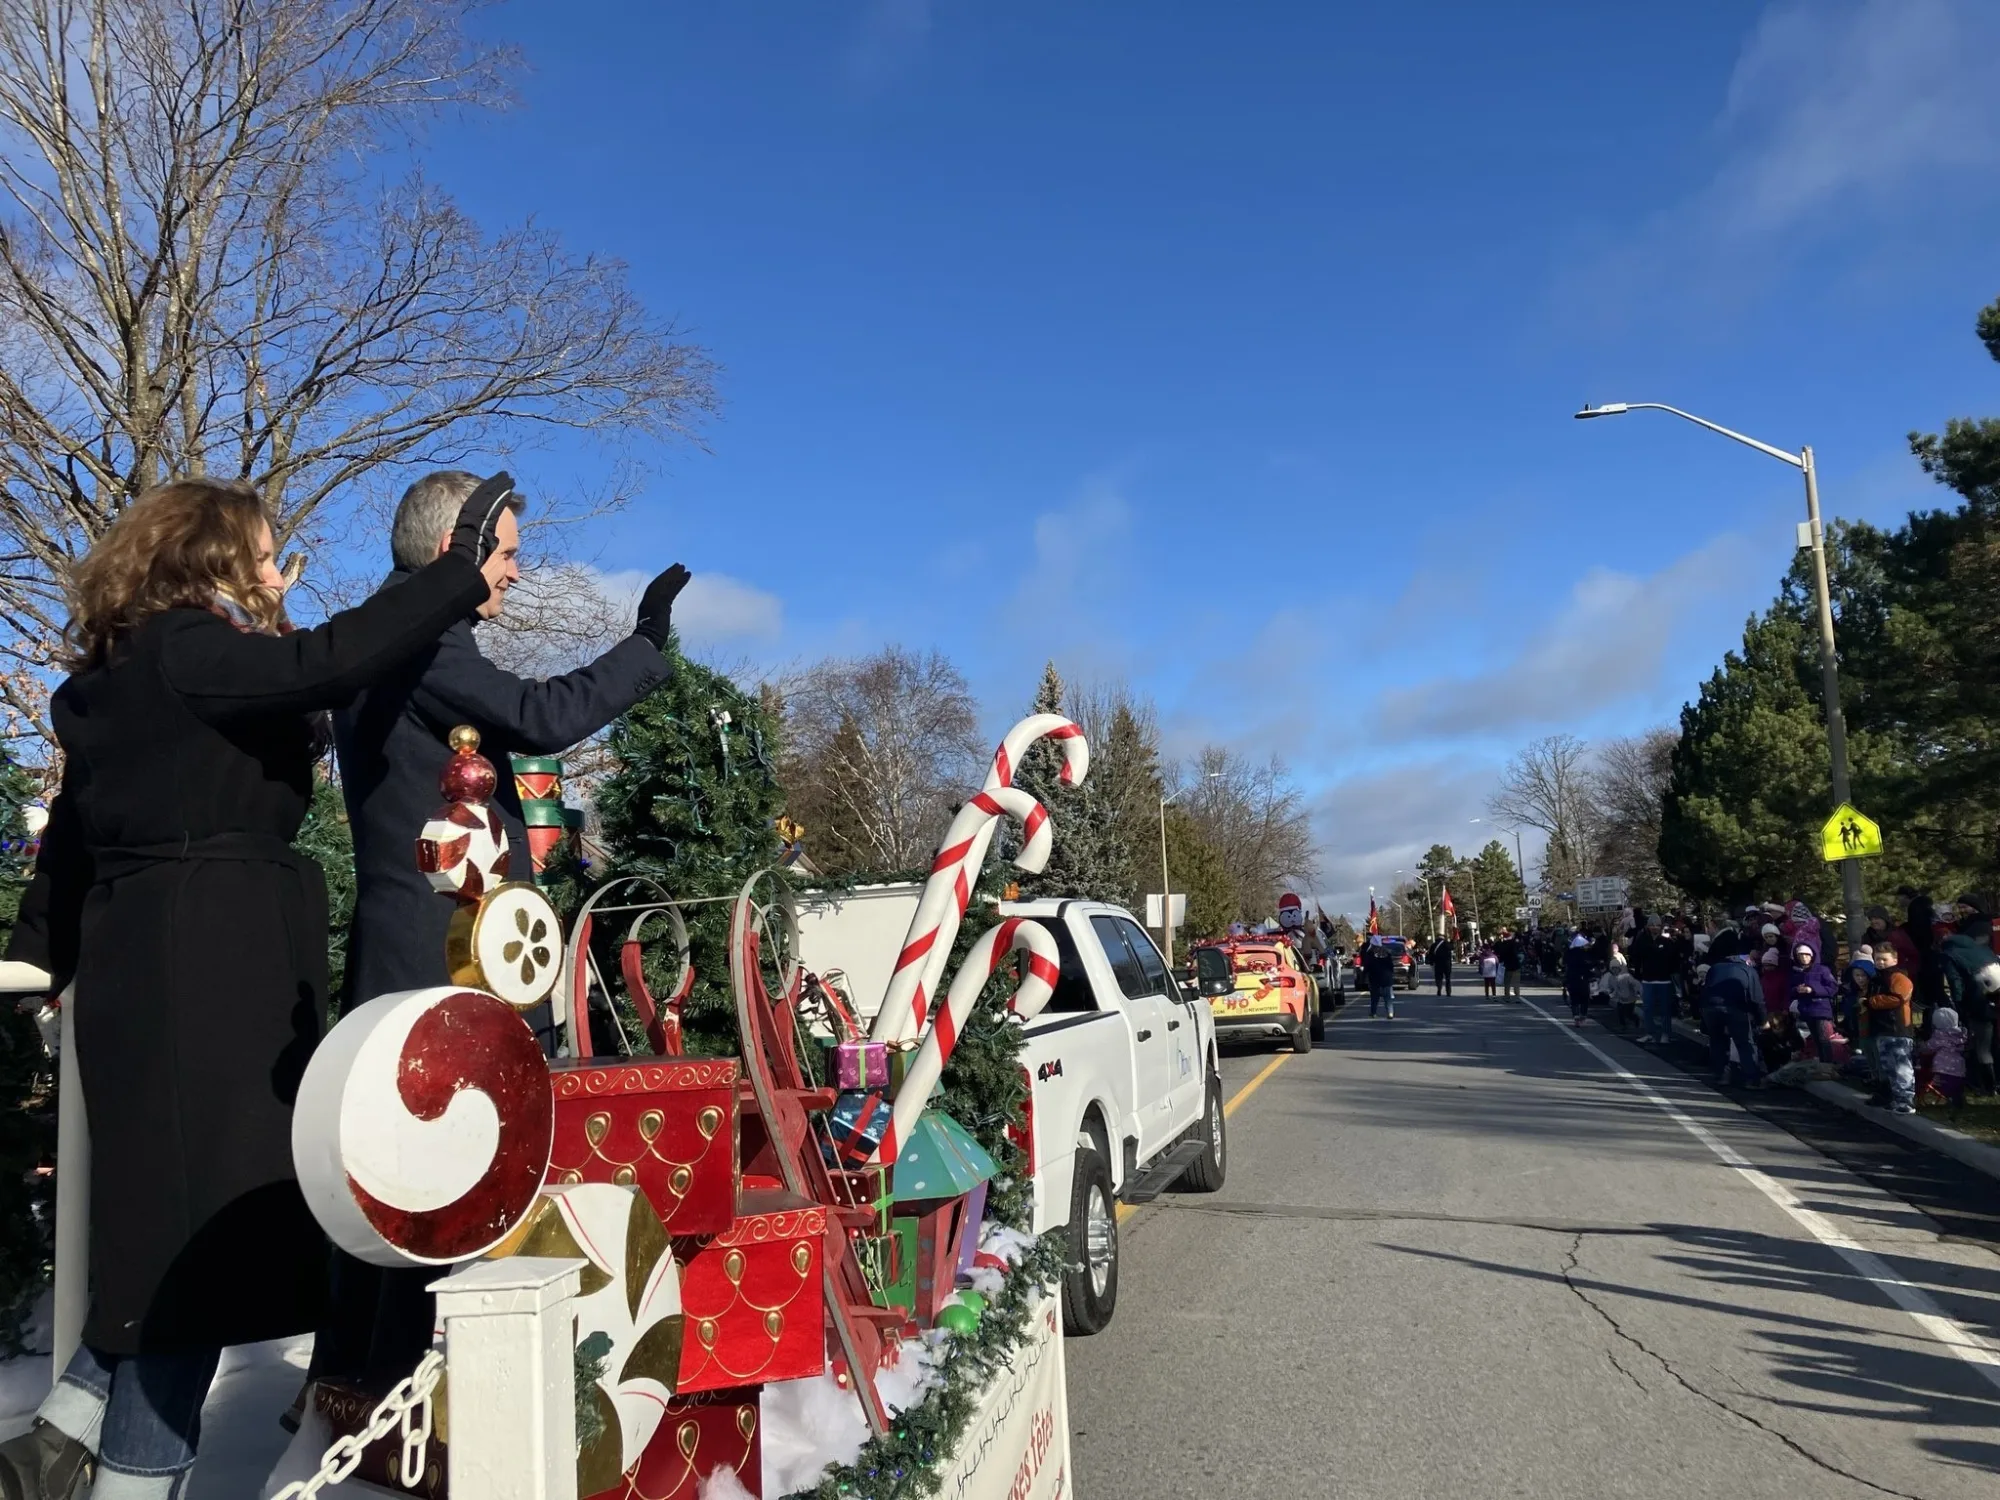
<point x="465" y="739"/>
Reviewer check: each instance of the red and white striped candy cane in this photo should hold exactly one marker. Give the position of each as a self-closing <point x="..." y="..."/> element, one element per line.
<point x="906" y="1003"/>
<point x="920" y="966"/>
<point x="1044" y="965"/>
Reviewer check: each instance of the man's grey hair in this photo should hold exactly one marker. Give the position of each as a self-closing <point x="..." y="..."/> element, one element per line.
<point x="427" y="512"/>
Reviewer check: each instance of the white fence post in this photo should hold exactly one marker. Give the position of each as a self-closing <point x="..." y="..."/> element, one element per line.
<point x="72" y="1193"/>
<point x="510" y="1343"/>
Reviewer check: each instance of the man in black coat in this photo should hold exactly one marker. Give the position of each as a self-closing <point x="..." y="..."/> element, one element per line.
<point x="392" y="743"/>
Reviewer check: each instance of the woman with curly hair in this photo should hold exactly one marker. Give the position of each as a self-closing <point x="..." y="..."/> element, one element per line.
<point x="167" y="888"/>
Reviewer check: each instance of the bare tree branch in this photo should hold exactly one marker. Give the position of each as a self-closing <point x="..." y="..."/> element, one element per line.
<point x="200" y="273"/>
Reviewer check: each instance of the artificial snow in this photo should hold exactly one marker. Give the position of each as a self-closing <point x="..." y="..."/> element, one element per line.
<point x="722" y="1484"/>
<point x="811" y="1425"/>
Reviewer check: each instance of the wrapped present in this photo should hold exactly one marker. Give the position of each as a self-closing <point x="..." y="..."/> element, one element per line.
<point x="901" y="1055"/>
<point x="753" y="1297"/>
<point x="628" y="1314"/>
<point x="346" y="1410"/>
<point x="858" y="1121"/>
<point x="860" y="1065"/>
<point x="697" y="1436"/>
<point x="866" y="1187"/>
<point x="665" y="1126"/>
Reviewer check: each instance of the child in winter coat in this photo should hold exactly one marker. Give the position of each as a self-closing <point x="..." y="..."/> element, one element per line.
<point x="1489" y="967"/>
<point x="1771" y="965"/>
<point x="1811" y="988"/>
<point x="1945" y="1051"/>
<point x="1890" y="1028"/>
<point x="1623" y="989"/>
<point x="1860" y="973"/>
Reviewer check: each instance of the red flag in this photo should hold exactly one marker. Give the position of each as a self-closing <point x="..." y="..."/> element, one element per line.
<point x="1445" y="902"/>
<point x="1374" y="922"/>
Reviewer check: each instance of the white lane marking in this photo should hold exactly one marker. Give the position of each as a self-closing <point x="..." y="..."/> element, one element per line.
<point x="1978" y="1352"/>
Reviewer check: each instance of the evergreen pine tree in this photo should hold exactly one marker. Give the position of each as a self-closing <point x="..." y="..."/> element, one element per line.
<point x="1497" y="886"/>
<point x="27" y="1091"/>
<point x="693" y="803"/>
<point x="1087" y="859"/>
<point x="1127" y="769"/>
<point x="1200" y="873"/>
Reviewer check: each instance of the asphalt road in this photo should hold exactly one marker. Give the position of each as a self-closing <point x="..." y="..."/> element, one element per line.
<point x="1458" y="1255"/>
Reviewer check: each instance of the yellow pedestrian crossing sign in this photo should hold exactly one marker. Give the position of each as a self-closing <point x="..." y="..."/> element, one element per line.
<point x="1849" y="835"/>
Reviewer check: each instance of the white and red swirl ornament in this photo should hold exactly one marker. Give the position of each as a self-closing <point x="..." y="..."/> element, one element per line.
<point x="423" y="1127"/>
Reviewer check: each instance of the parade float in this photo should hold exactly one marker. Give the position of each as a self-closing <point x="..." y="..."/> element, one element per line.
<point x="665" y="1276"/>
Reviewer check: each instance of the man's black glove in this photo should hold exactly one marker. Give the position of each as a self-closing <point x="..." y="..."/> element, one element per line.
<point x="656" y="605"/>
<point x="477" y="531"/>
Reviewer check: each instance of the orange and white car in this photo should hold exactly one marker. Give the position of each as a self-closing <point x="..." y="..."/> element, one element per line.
<point x="1256" y="987"/>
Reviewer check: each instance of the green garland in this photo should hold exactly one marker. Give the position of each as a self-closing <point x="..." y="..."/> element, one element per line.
<point x="903" y="1463"/>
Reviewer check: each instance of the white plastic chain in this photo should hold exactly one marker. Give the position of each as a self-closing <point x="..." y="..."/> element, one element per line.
<point x="407" y="1407"/>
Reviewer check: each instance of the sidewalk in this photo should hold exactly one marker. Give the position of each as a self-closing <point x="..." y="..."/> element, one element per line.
<point x="1956" y="1144"/>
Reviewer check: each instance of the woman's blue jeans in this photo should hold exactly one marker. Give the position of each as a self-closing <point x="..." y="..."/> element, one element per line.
<point x="139" y="1413"/>
<point x="1658" y="1008"/>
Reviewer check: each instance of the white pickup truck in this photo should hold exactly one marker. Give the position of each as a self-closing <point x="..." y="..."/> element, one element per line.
<point x="1124" y="1100"/>
<point x="1124" y="1097"/>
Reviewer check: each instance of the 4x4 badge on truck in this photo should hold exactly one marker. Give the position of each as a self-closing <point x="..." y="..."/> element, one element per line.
<point x="1050" y="1069"/>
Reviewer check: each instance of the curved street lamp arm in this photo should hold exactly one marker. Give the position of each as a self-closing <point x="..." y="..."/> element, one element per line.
<point x="1795" y="460"/>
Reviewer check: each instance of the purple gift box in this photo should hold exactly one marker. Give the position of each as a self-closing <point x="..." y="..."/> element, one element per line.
<point x="861" y="1065"/>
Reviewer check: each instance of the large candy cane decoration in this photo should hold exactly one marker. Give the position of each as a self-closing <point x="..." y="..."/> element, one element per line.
<point x="1044" y="966"/>
<point x="906" y="1004"/>
<point x="920" y="966"/>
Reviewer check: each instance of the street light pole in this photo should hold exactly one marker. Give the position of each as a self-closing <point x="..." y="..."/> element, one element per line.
<point x="1166" y="881"/>
<point x="1829" y="666"/>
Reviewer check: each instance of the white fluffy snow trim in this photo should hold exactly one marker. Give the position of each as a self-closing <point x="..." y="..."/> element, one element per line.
<point x="1009" y="1244"/>
<point x="722" y="1484"/>
<point x="812" y="1424"/>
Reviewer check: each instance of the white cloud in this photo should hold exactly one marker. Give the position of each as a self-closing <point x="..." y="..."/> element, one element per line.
<point x="1608" y="644"/>
<point x="1837" y="117"/>
<point x="1371" y="824"/>
<point x="714" y="609"/>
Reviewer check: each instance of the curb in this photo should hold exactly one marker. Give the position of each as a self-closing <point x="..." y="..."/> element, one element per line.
<point x="1942" y="1138"/>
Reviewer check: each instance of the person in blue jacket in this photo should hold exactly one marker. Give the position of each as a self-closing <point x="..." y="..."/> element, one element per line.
<point x="1732" y="1002"/>
<point x="1578" y="970"/>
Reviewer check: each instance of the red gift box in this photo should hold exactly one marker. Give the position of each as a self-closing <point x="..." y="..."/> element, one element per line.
<point x="697" y="1436"/>
<point x="753" y="1302"/>
<point x="664" y="1125"/>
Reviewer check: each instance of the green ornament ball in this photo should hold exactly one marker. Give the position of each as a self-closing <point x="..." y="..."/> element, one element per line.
<point x="957" y="1318"/>
<point x="973" y="1300"/>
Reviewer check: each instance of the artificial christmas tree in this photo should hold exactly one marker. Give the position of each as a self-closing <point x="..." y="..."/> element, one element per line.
<point x="694" y="803"/>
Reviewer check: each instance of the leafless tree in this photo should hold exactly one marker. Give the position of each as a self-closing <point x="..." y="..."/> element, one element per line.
<point x="877" y="752"/>
<point x="1629" y="785"/>
<point x="1550" y="785"/>
<point x="200" y="273"/>
<point x="1254" y="817"/>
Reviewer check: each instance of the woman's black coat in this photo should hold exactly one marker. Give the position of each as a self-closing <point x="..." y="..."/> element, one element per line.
<point x="167" y="885"/>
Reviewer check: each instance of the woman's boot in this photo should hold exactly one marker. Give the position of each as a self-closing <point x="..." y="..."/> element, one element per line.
<point x="44" y="1463"/>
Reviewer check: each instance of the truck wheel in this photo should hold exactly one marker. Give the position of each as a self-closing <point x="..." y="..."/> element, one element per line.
<point x="1206" y="1173"/>
<point x="1302" y="1036"/>
<point x="1090" y="1288"/>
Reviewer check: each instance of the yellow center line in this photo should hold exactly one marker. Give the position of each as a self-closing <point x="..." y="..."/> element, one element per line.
<point x="1126" y="1210"/>
<point x="1256" y="1083"/>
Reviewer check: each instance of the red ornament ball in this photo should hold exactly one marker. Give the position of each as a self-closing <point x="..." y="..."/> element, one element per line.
<point x="468" y="776"/>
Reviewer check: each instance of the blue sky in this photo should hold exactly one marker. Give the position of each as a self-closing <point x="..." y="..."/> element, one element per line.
<point x="1230" y="350"/>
